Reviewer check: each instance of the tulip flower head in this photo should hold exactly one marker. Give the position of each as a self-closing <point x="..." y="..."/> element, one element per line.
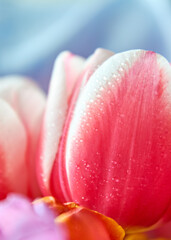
<point x="101" y="139"/>
<point x="107" y="144"/>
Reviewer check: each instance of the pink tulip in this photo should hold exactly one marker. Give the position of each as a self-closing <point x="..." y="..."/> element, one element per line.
<point x="106" y="137"/>
<point x="21" y="109"/>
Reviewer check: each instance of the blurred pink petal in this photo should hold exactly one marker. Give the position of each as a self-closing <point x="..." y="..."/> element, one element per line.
<point x="13" y="145"/>
<point x="27" y="101"/>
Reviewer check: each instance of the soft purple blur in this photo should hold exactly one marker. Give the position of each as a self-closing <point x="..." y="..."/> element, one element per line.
<point x="19" y="219"/>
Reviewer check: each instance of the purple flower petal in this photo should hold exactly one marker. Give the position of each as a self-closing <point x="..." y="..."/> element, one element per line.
<point x="19" y="219"/>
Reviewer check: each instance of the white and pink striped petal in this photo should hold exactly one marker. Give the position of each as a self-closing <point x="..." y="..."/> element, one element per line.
<point x="90" y="66"/>
<point x="65" y="73"/>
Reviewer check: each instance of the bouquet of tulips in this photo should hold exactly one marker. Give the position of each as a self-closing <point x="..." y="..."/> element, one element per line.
<point x="92" y="160"/>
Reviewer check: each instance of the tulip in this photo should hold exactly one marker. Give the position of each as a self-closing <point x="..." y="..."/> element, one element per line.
<point x="21" y="108"/>
<point x="19" y="219"/>
<point x="106" y="136"/>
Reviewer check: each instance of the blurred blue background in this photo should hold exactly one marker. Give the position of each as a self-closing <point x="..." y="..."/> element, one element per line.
<point x="34" y="32"/>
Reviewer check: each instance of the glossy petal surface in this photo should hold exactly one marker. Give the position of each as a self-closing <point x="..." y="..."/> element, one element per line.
<point x="117" y="148"/>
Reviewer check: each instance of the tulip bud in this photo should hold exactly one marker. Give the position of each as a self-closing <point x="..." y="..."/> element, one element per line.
<point x="115" y="148"/>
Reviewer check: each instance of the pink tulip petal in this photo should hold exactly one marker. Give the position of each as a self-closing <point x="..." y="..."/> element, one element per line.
<point x="91" y="65"/>
<point x="28" y="101"/>
<point x="115" y="156"/>
<point x="66" y="70"/>
<point x="13" y="143"/>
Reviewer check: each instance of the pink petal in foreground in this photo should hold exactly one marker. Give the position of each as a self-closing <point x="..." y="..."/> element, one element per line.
<point x="28" y="102"/>
<point x="66" y="70"/>
<point x="117" y="149"/>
